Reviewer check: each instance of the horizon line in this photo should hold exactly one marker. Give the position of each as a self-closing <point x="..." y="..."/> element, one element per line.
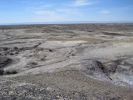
<point x="68" y="22"/>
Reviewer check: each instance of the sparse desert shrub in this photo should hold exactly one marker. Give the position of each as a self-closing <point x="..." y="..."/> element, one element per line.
<point x="32" y="65"/>
<point x="4" y="61"/>
<point x="15" y="48"/>
<point x="9" y="72"/>
<point x="50" y="50"/>
<point x="1" y="71"/>
<point x="5" y="48"/>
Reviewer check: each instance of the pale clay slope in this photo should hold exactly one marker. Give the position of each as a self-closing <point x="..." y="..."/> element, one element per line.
<point x="111" y="52"/>
<point x="118" y="49"/>
<point x="60" y="60"/>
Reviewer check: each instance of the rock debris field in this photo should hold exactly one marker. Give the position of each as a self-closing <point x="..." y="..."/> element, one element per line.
<point x="66" y="62"/>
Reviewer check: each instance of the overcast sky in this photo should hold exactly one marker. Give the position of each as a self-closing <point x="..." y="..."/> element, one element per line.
<point x="30" y="11"/>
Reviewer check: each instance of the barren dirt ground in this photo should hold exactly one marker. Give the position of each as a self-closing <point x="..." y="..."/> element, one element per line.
<point x="66" y="62"/>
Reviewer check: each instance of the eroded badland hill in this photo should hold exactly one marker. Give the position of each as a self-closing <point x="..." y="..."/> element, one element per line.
<point x="66" y="62"/>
